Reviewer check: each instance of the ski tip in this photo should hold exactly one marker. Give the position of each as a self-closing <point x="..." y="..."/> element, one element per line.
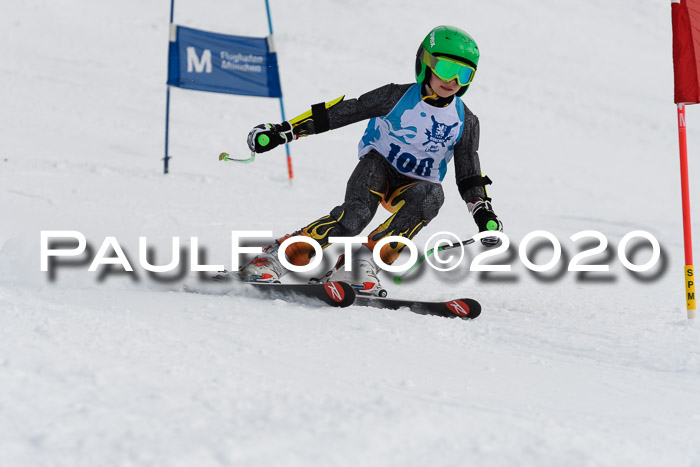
<point x="474" y="311"/>
<point x="398" y="280"/>
<point x="465" y="308"/>
<point x="341" y="294"/>
<point x="223" y="156"/>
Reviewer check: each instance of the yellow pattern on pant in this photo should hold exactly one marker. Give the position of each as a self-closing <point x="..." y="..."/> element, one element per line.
<point x="300" y="254"/>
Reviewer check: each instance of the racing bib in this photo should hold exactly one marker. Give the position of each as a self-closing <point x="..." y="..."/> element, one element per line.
<point x="417" y="138"/>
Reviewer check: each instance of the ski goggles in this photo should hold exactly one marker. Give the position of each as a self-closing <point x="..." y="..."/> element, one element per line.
<point x="448" y="69"/>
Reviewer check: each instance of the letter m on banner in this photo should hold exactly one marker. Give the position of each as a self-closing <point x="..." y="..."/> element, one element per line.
<point x="194" y="62"/>
<point x="207" y="61"/>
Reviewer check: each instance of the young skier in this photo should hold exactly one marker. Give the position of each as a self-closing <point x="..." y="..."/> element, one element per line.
<point x="413" y="132"/>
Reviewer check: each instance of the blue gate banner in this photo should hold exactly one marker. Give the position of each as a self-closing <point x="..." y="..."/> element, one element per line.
<point x="212" y="62"/>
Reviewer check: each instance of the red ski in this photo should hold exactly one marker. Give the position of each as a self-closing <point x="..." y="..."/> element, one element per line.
<point x="465" y="308"/>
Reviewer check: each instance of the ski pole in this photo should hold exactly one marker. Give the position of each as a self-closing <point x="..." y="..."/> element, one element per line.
<point x="224" y="156"/>
<point x="398" y="279"/>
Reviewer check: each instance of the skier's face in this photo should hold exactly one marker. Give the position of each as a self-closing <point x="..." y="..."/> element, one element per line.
<point x="443" y="88"/>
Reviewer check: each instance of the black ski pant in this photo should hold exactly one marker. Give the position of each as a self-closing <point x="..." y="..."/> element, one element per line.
<point x="412" y="204"/>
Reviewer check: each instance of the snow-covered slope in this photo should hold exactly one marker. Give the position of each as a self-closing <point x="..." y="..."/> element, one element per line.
<point x="578" y="133"/>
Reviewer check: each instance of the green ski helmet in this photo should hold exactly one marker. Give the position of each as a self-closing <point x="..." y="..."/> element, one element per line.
<point x="450" y="53"/>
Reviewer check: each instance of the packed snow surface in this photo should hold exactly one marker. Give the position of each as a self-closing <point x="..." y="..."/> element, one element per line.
<point x="110" y="368"/>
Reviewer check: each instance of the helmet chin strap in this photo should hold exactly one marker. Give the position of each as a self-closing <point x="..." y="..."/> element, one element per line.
<point x="430" y="96"/>
<point x="428" y="93"/>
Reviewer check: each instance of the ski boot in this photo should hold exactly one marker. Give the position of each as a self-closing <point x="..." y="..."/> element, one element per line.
<point x="265" y="267"/>
<point x="363" y="277"/>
